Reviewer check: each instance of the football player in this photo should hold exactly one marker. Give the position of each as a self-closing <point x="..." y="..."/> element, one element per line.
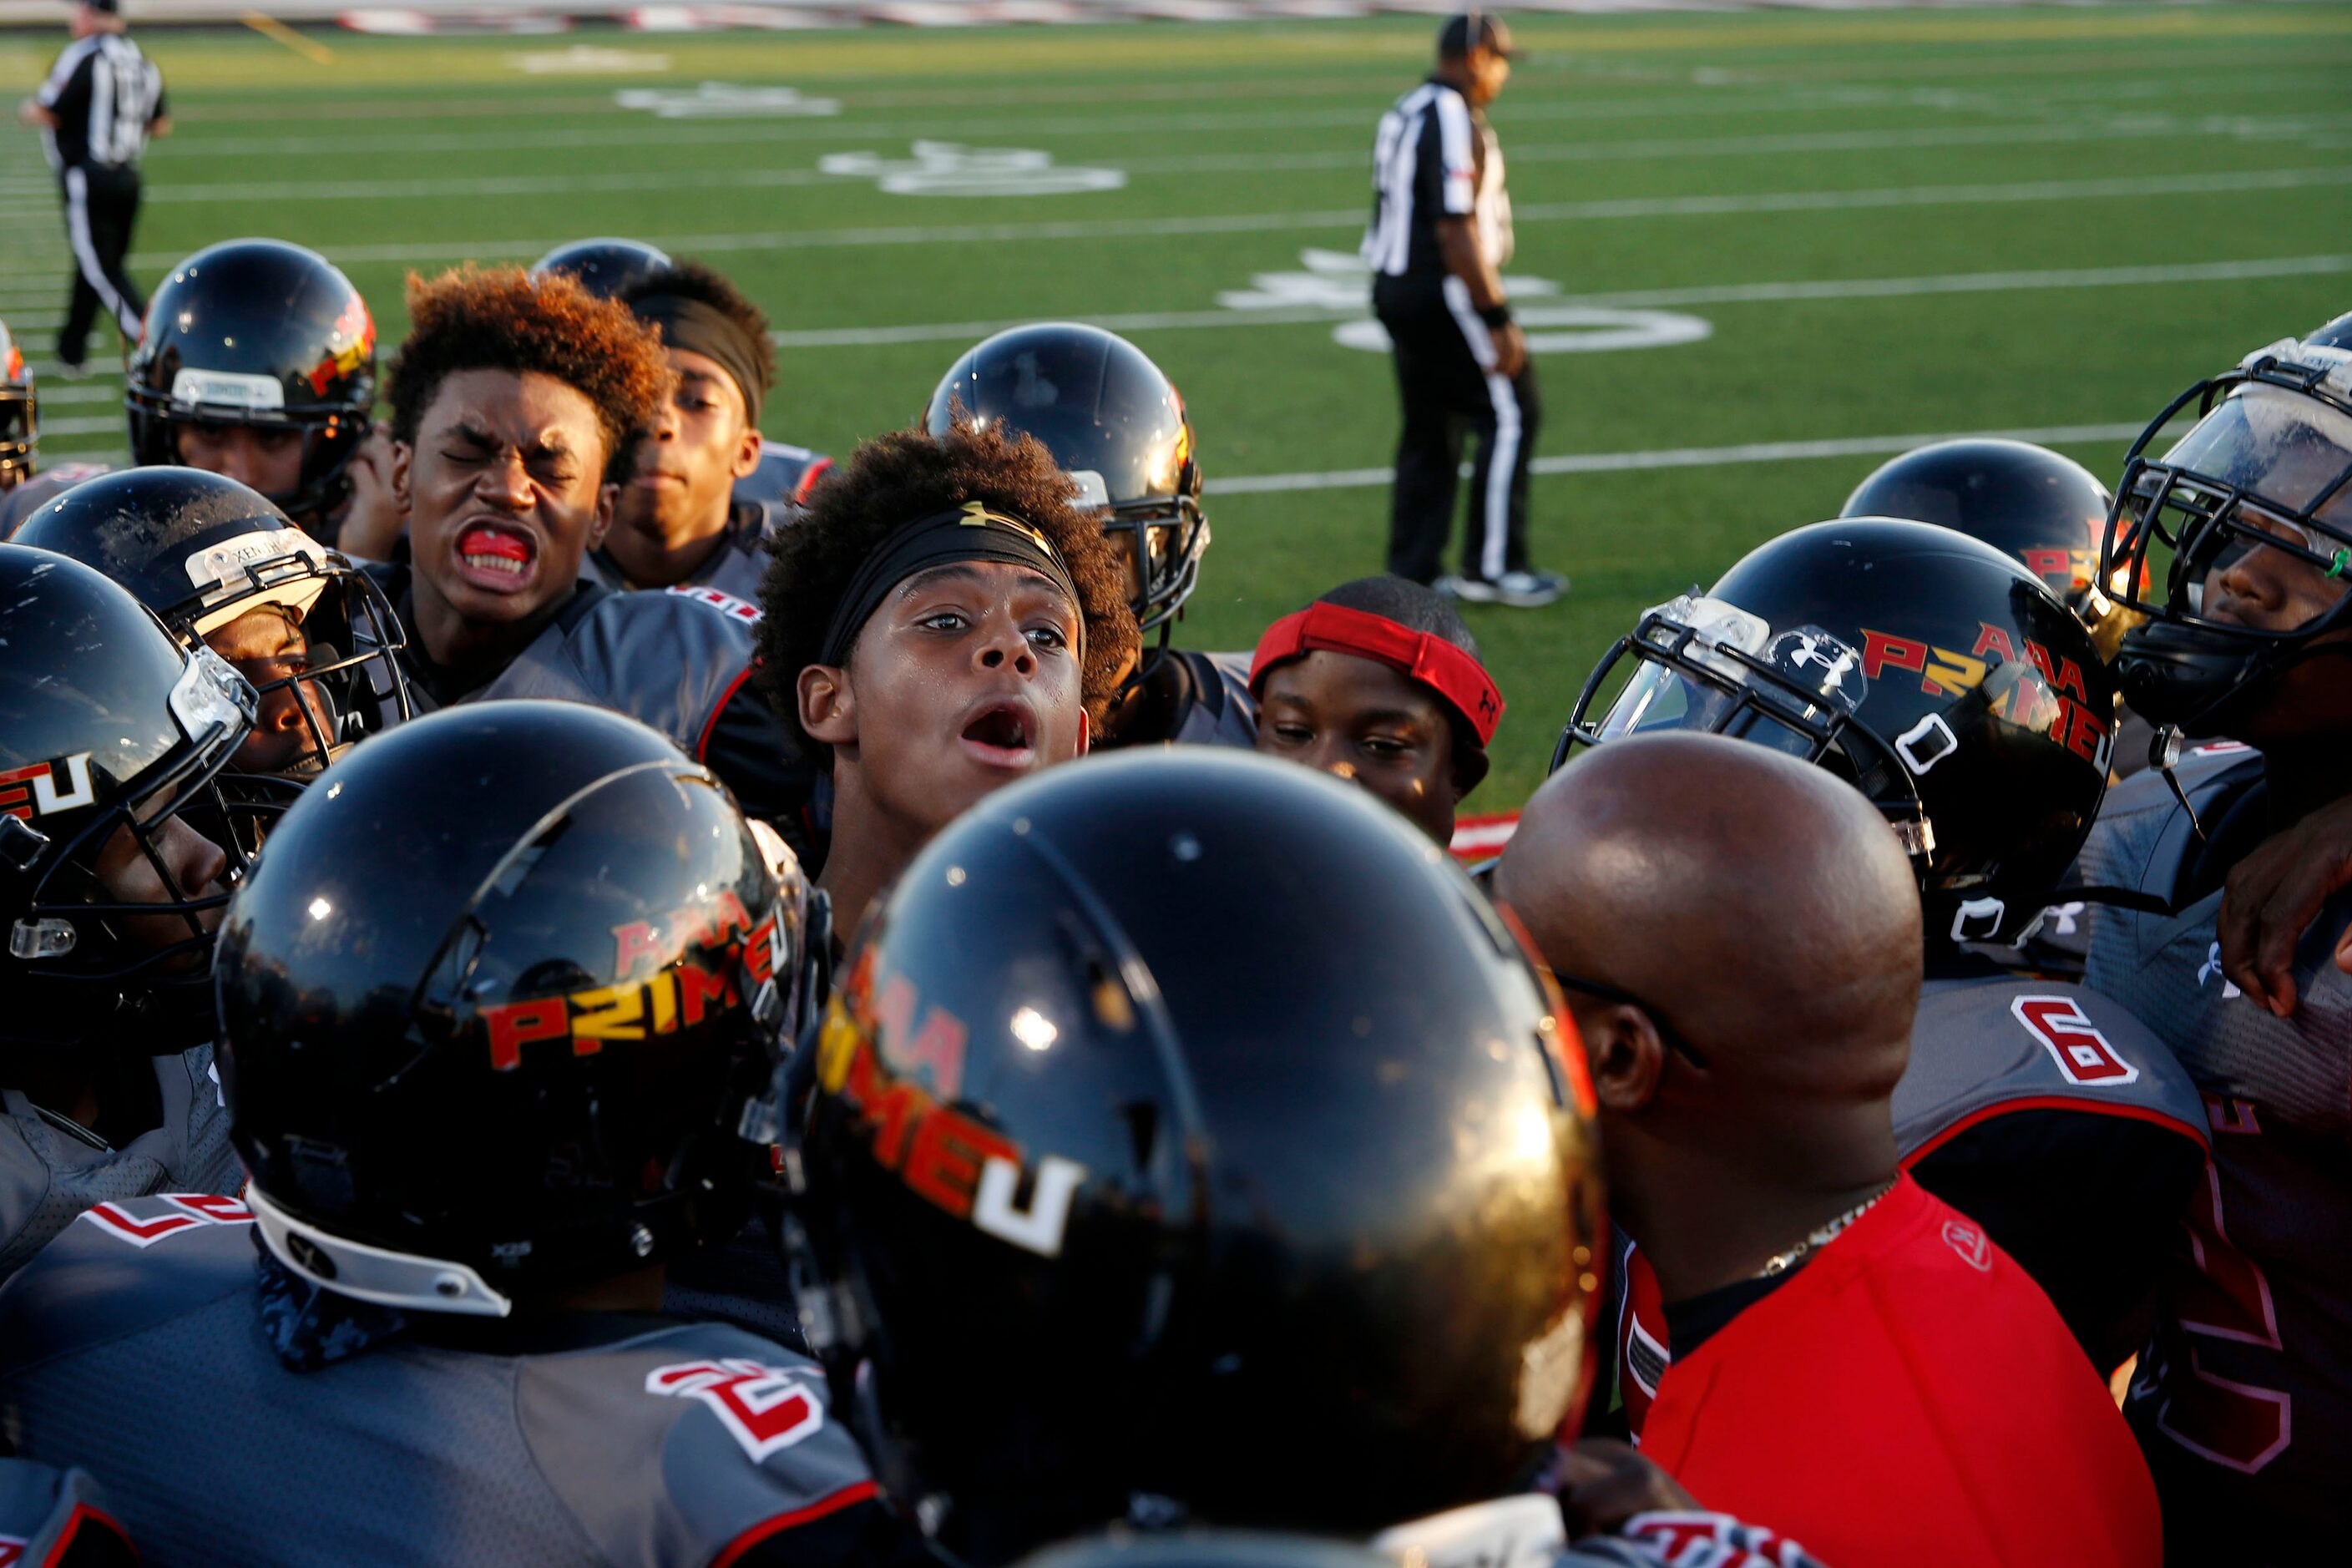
<point x="115" y="860"/>
<point x="2244" y="1400"/>
<point x="1856" y="1362"/>
<point x="677" y="522"/>
<point x="1118" y="427"/>
<point x="258" y="363"/>
<point x="517" y="408"/>
<point x="1379" y="682"/>
<point x="218" y="563"/>
<point x="1942" y="678"/>
<point x="491" y="1057"/>
<point x="1111" y="1226"/>
<point x="59" y="1519"/>
<point x="942" y="622"/>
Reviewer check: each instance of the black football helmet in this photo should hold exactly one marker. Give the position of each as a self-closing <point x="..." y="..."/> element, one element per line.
<point x="1255" y="1136"/>
<point x="1117" y="425"/>
<point x="2041" y="505"/>
<point x="606" y="267"/>
<point x="257" y="332"/>
<point x="19" y="414"/>
<point x="2267" y="465"/>
<point x="202" y="551"/>
<point x="1931" y="669"/>
<point x="108" y="729"/>
<point x="499" y="1005"/>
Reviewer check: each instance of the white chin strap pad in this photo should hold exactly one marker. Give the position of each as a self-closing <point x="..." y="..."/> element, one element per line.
<point x="368" y="1273"/>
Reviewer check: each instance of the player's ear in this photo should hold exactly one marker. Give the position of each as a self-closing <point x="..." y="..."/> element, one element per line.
<point x="1623" y="1053"/>
<point x="1086" y="732"/>
<point x="396" y="476"/>
<point x="828" y="707"/>
<point x="600" y="524"/>
<point x="747" y="454"/>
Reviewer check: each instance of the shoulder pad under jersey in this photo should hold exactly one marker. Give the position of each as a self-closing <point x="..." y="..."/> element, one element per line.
<point x="1223" y="712"/>
<point x="1981" y="1046"/>
<point x="669" y="661"/>
<point x="124" y="1267"/>
<point x="701" y="1438"/>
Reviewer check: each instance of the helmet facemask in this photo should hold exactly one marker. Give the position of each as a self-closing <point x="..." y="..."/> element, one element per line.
<point x="80" y="941"/>
<point x="2268" y="466"/>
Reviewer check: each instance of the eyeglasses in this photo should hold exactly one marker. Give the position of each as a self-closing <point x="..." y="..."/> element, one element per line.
<point x="1667" y="1033"/>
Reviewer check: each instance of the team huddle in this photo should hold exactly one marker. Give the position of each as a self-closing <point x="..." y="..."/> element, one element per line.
<point x="565" y="1006"/>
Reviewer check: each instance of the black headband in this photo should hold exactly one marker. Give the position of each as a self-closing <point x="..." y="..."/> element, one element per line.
<point x="701" y="328"/>
<point x="971" y="532"/>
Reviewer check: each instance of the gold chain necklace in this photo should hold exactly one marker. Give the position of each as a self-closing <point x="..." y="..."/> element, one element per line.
<point x="1781" y="1262"/>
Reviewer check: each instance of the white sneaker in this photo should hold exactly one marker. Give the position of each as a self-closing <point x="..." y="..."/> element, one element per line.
<point x="1519" y="590"/>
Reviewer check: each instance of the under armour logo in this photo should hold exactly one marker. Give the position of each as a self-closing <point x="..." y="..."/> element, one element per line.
<point x="2212" y="967"/>
<point x="1969" y="1244"/>
<point x="1809" y="650"/>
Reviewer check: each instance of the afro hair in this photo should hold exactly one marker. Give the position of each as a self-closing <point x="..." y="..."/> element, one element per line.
<point x="893" y="479"/>
<point x="503" y="319"/>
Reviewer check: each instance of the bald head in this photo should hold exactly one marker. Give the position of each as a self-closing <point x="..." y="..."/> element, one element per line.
<point x="1761" y="905"/>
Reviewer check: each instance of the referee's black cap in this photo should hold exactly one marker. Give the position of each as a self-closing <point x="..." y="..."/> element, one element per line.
<point x="111" y="8"/>
<point x="1474" y="30"/>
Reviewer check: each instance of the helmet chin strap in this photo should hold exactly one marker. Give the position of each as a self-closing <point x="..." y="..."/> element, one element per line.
<point x="2260" y="667"/>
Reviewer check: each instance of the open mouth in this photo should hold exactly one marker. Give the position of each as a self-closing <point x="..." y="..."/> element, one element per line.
<point x="501" y="560"/>
<point x="1002" y="735"/>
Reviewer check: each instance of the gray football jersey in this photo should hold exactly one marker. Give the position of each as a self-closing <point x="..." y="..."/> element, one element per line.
<point x="50" y="1174"/>
<point x="133" y="1347"/>
<point x="1223" y="712"/>
<point x="734" y="569"/>
<point x="2244" y="1401"/>
<point x="786" y="476"/>
<point x="56" y="1518"/>
<point x="1983" y="1046"/>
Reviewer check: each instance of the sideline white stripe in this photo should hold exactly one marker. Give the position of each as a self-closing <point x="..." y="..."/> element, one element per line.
<point x="1718" y="294"/>
<point x="1352" y="218"/>
<point x="1684" y="458"/>
<point x="1658" y="150"/>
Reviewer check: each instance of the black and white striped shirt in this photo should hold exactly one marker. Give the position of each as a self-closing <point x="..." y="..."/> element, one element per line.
<point x="1435" y="157"/>
<point x="105" y="95"/>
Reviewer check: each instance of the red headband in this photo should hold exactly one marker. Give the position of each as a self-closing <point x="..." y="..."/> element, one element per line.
<point x="1437" y="663"/>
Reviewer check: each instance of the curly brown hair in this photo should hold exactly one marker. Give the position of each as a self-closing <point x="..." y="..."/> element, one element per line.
<point x="889" y="481"/>
<point x="691" y="280"/>
<point x="503" y="319"/>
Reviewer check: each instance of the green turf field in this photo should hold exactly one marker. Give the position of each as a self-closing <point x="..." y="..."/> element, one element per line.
<point x="1889" y="224"/>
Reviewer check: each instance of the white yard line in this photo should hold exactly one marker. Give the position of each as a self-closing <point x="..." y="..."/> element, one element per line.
<point x="1714" y="294"/>
<point x="2137" y="128"/>
<point x="2229" y="182"/>
<point x="1684" y="458"/>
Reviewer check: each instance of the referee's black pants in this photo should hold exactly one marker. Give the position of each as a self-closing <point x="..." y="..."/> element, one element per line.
<point x="102" y="205"/>
<point x="1445" y="376"/>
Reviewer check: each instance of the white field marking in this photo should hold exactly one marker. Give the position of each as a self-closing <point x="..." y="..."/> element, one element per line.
<point x="54" y="391"/>
<point x="2230" y="183"/>
<point x="1684" y="458"/>
<point x="836" y="168"/>
<point x="81" y="426"/>
<point x="1781" y="100"/>
<point x="1718" y="294"/>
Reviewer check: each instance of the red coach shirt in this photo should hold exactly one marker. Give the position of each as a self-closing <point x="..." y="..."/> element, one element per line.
<point x="1910" y="1397"/>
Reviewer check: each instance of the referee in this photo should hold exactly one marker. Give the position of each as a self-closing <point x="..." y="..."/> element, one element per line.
<point x="101" y="102"/>
<point x="1440" y="236"/>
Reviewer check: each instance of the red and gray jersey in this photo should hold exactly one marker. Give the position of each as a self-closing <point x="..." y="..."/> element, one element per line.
<point x="2244" y="1403"/>
<point x="785" y="478"/>
<point x="57" y="1519"/>
<point x="51" y="1168"/>
<point x="678" y="661"/>
<point x="2054" y="1119"/>
<point x="734" y="569"/>
<point x="133" y="1347"/>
